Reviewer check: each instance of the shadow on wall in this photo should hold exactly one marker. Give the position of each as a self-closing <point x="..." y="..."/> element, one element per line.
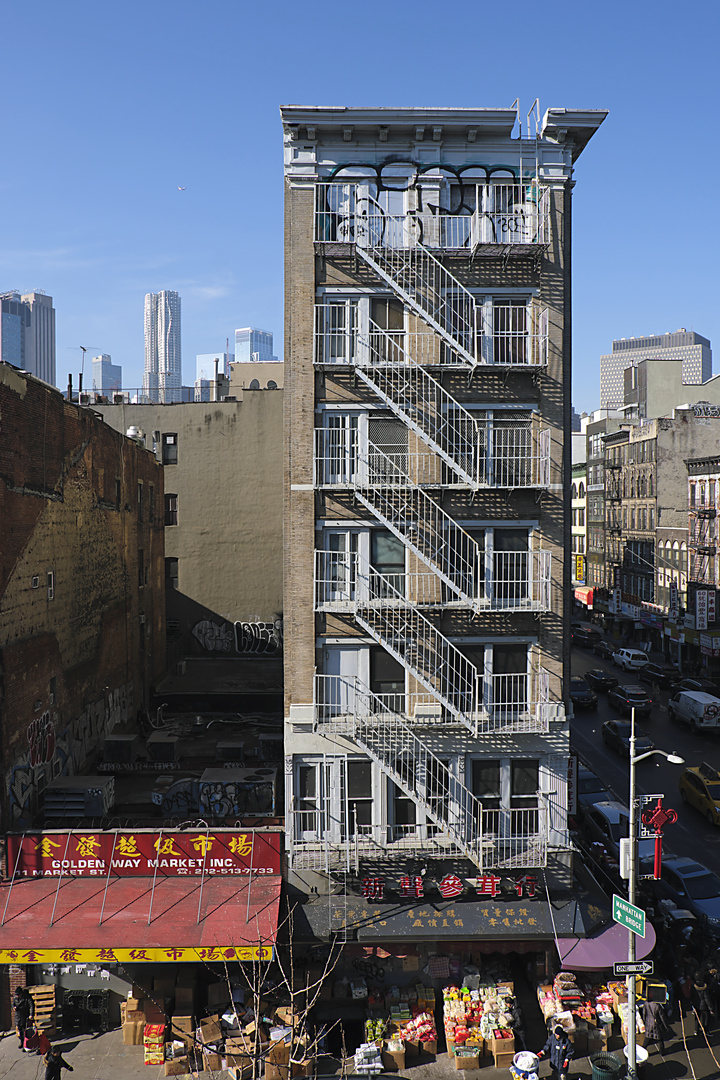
<point x="196" y="630"/>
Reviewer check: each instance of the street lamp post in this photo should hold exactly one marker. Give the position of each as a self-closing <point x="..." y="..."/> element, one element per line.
<point x="673" y="759"/>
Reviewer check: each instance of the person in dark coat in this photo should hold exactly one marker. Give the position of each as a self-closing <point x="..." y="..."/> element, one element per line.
<point x="560" y="1051"/>
<point x="656" y="1025"/>
<point x="701" y="1003"/>
<point x="517" y="1021"/>
<point x="23" y="1012"/>
<point x="54" y="1063"/>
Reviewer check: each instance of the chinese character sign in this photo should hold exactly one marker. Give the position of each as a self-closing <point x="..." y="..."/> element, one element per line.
<point x="141" y="852"/>
<point x="701" y="609"/>
<point x="711" y="606"/>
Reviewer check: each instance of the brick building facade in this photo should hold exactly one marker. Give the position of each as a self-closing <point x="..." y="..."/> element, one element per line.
<point x="82" y="621"/>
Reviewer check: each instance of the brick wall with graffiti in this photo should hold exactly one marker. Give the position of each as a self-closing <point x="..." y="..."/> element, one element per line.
<point x="82" y="621"/>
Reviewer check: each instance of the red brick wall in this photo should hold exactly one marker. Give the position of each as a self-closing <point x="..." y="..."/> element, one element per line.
<point x="74" y="665"/>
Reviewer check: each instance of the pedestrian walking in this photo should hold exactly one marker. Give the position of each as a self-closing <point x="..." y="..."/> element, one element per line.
<point x="54" y="1063"/>
<point x="23" y="1011"/>
<point x="701" y="1003"/>
<point x="517" y="1022"/>
<point x="656" y="1025"/>
<point x="560" y="1051"/>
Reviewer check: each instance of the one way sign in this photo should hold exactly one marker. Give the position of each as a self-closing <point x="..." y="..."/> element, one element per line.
<point x="633" y="967"/>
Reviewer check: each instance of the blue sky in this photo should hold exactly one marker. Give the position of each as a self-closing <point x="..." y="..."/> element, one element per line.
<point x="108" y="108"/>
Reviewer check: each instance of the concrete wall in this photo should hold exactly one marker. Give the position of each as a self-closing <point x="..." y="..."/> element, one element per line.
<point x="77" y="658"/>
<point x="228" y="540"/>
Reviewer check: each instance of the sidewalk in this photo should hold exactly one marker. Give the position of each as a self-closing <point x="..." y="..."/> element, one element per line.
<point x="104" y="1057"/>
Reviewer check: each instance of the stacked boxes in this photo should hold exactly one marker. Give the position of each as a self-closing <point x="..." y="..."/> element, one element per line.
<point x="154" y="1043"/>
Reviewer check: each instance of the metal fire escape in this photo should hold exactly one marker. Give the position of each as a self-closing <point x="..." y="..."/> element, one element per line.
<point x="702" y="541"/>
<point x="447" y="447"/>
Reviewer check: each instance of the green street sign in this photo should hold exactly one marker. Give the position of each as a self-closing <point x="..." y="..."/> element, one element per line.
<point x="628" y="915"/>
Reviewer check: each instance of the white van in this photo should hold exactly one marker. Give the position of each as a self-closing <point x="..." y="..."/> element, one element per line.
<point x="699" y="711"/>
<point x="630" y="659"/>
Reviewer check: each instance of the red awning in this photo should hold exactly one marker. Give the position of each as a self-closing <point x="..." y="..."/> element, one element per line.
<point x="585" y="595"/>
<point x="182" y="916"/>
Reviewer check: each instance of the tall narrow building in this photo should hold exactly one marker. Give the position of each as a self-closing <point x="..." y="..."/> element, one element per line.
<point x="162" y="380"/>
<point x="27" y="333"/>
<point x="427" y="516"/>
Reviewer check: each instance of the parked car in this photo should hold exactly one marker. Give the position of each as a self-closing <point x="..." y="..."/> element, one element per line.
<point x="584" y="637"/>
<point x="590" y="789"/>
<point x="581" y="695"/>
<point x="691" y="885"/>
<point x="616" y="735"/>
<point x="605" y="649"/>
<point x="607" y="823"/>
<point x="700" y="712"/>
<point x="703" y="686"/>
<point x="700" y="787"/>
<point x="663" y="674"/>
<point x="626" y="698"/>
<point x="597" y="679"/>
<point x="629" y="659"/>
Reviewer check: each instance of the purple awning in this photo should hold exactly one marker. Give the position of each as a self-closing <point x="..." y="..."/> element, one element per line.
<point x="601" y="951"/>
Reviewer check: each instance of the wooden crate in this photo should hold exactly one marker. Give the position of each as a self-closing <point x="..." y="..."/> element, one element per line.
<point x="46" y="1011"/>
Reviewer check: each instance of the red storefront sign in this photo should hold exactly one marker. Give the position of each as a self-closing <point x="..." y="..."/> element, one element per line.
<point x="140" y="853"/>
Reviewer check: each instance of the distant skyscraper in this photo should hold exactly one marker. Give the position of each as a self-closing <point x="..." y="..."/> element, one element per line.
<point x="694" y="351"/>
<point x="106" y="376"/>
<point x="27" y="333"/>
<point x="252" y="345"/>
<point x="205" y="372"/>
<point x="163" y="355"/>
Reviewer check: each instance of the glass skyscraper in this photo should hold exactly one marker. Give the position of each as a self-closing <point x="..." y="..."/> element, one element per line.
<point x="163" y="355"/>
<point x="253" y="345"/>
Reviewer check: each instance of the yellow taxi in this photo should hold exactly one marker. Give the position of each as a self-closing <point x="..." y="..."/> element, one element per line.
<point x="700" y="787"/>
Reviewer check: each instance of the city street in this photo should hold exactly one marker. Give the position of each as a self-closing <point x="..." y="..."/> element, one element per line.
<point x="691" y="835"/>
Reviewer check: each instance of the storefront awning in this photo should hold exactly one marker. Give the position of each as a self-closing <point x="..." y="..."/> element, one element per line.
<point x="584" y="594"/>
<point x="601" y="951"/>
<point x="496" y="921"/>
<point x="130" y="920"/>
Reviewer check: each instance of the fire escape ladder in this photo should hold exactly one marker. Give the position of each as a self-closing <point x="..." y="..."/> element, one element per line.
<point x="422" y="776"/>
<point x="420" y="401"/>
<point x="426" y="654"/>
<point x="421" y="281"/>
<point x="419" y="522"/>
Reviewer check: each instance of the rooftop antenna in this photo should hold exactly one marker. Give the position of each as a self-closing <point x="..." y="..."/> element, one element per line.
<point x="516" y="106"/>
<point x="535" y="108"/>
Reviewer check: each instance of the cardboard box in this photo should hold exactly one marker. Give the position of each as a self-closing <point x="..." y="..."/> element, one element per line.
<point x="177" y="1067"/>
<point x="132" y="1032"/>
<point x="287" y="1016"/>
<point x="137" y="991"/>
<point x="218" y="993"/>
<point x="212" y="1061"/>
<point x="184" y="999"/>
<point x="430" y="1047"/>
<point x="303" y="1068"/>
<point x="279" y="1053"/>
<point x="134" y="1004"/>
<point x="210" y="1029"/>
<point x="163" y="986"/>
<point x="393" y="1060"/>
<point x="238" y="1045"/>
<point x="467" y="1062"/>
<point x="240" y="1070"/>
<point x="412" y="1047"/>
<point x="504" y="1060"/>
<point x="503" y="1046"/>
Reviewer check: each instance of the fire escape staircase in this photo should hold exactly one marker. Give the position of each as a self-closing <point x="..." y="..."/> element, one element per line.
<point x="402" y="506"/>
<point x="420" y="401"/>
<point x="422" y="282"/>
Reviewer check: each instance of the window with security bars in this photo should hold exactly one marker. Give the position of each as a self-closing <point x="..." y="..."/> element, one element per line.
<point x="387" y="449"/>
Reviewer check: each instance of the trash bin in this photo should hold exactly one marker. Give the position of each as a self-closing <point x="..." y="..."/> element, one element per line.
<point x="606" y="1067"/>
<point x="641" y="1056"/>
